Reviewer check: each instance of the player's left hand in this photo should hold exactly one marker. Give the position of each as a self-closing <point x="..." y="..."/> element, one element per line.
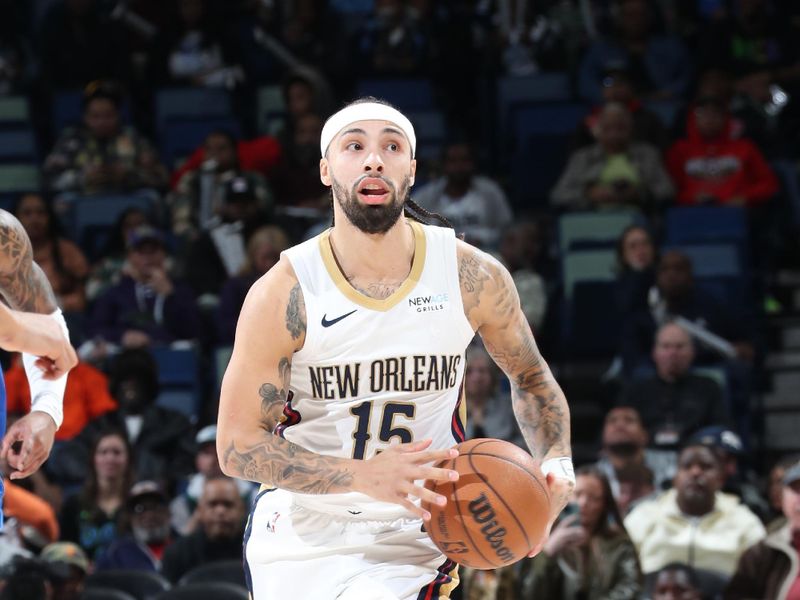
<point x="27" y="443"/>
<point x="560" y="493"/>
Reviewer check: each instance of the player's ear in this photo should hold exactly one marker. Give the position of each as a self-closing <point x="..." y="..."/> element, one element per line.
<point x="413" y="171"/>
<point x="324" y="172"/>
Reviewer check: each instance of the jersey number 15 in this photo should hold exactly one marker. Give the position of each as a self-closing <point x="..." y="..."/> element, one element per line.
<point x="363" y="414"/>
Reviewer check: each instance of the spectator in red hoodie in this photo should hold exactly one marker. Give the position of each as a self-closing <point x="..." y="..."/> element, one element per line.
<point x="713" y="166"/>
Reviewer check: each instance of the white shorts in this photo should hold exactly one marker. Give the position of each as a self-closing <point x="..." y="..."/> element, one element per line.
<point x="294" y="552"/>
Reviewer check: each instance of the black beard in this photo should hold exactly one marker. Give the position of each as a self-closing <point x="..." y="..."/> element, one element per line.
<point x="371" y="218"/>
<point x="626" y="449"/>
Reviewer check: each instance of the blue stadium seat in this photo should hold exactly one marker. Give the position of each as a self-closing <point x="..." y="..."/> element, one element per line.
<point x="91" y="217"/>
<point x="545" y="119"/>
<point x="599" y="229"/>
<point x="179" y="379"/>
<point x="706" y="224"/>
<point x="539" y="88"/>
<point x="68" y="110"/>
<point x="180" y="138"/>
<point x="429" y="125"/>
<point x="186" y="104"/>
<point x="712" y="260"/>
<point x="14" y="112"/>
<point x="17" y="146"/>
<point x="406" y="94"/>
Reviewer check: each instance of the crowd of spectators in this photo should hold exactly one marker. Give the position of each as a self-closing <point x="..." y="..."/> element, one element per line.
<point x="669" y="505"/>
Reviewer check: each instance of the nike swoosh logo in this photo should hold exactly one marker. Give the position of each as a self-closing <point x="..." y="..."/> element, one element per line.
<point x="326" y="323"/>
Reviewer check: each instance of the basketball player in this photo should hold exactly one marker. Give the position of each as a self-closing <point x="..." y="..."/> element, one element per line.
<point x="34" y="326"/>
<point x="351" y="350"/>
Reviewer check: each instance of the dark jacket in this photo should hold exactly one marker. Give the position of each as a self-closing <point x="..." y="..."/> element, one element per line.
<point x="119" y="310"/>
<point x="766" y="570"/>
<point x="196" y="549"/>
<point x="127" y="553"/>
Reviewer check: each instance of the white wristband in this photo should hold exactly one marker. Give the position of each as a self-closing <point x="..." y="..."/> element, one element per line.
<point x="560" y="467"/>
<point x="47" y="395"/>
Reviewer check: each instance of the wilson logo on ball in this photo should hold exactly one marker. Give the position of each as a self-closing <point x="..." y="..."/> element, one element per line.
<point x="483" y="514"/>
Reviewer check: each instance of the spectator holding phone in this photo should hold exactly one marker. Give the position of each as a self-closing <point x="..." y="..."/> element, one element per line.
<point x="588" y="554"/>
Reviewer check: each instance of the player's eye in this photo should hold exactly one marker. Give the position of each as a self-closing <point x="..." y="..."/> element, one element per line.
<point x="393" y="147"/>
<point x="353" y="146"/>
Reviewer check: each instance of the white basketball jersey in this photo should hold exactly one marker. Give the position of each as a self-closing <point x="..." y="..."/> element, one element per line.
<point x="377" y="372"/>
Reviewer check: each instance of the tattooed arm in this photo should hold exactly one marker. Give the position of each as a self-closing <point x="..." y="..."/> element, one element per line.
<point x="271" y="328"/>
<point x="492" y="306"/>
<point x="26" y="290"/>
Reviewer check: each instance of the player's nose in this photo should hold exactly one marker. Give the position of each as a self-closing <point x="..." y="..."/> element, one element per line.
<point x="373" y="162"/>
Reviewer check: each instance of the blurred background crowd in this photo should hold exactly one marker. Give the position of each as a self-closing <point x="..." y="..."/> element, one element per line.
<point x="633" y="163"/>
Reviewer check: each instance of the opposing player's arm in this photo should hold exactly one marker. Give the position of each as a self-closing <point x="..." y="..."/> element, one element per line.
<point x="22" y="283"/>
<point x="492" y="306"/>
<point x="271" y="328"/>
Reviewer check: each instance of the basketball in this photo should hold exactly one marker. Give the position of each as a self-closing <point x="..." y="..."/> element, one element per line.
<point x="497" y="511"/>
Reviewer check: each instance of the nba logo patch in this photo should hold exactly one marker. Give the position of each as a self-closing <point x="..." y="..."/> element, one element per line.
<point x="272" y="522"/>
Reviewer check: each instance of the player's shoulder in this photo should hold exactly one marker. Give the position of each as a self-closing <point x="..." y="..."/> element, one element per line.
<point x="10" y="222"/>
<point x="476" y="265"/>
<point x="278" y="282"/>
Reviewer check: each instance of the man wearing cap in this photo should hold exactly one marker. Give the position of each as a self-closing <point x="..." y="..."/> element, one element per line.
<point x="150" y="534"/>
<point x="344" y="383"/>
<point x="206" y="462"/>
<point x="771" y="568"/>
<point x="146" y="306"/>
<point x="73" y="563"/>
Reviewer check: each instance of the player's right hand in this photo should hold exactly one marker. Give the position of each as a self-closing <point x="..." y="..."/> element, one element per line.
<point x="42" y="336"/>
<point x="393" y="475"/>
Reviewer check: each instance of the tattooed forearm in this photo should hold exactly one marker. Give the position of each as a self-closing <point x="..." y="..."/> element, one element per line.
<point x="273" y="399"/>
<point x="283" y="464"/>
<point x="296" y="313"/>
<point x="22" y="283"/>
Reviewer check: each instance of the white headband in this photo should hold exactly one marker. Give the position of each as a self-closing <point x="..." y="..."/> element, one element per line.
<point x="365" y="111"/>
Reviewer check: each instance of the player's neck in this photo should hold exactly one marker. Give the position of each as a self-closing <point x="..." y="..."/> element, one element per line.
<point x="386" y="255"/>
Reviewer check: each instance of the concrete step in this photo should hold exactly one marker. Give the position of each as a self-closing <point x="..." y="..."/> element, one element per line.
<point x="782" y="430"/>
<point x="786" y="383"/>
<point x="782" y="361"/>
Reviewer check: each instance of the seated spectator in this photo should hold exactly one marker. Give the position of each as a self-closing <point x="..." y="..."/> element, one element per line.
<point x="737" y="479"/>
<point x="588" y="554"/>
<point x="195" y="50"/>
<point x="675" y="295"/>
<point x="73" y="558"/>
<point x="218" y="253"/>
<point x="624" y="447"/>
<point x="86" y="397"/>
<point x="614" y="172"/>
<point x="110" y="268"/>
<point x="296" y="179"/>
<point x="520" y="250"/>
<point x="676" y="581"/>
<point x="491" y="414"/>
<point x="80" y="45"/>
<point x="146" y="306"/>
<point x="617" y="86"/>
<point x="660" y="65"/>
<point x="162" y="438"/>
<point x="200" y="193"/>
<point x="392" y="41"/>
<point x="29" y="510"/>
<point x="694" y="522"/>
<point x="61" y="260"/>
<point x="90" y="517"/>
<point x="183" y="507"/>
<point x="769" y="568"/>
<point x="147" y="511"/>
<point x="474" y="204"/>
<point x="102" y="156"/>
<point x="263" y="252"/>
<point x="220" y="516"/>
<point x="775" y="491"/>
<point x="674" y="403"/>
<point x="636" y="269"/>
<point x="710" y="166"/>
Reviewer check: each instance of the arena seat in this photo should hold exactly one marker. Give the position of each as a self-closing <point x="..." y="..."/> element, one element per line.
<point x="104" y="593"/>
<point x="179" y="380"/>
<point x="405" y="94"/>
<point x="706" y="224"/>
<point x="586" y="265"/>
<point x="187" y="104"/>
<point x="206" y="591"/>
<point x="229" y="571"/>
<point x="603" y="228"/>
<point x="180" y="138"/>
<point x="90" y="218"/>
<point x="142" y="585"/>
<point x="17" y="146"/>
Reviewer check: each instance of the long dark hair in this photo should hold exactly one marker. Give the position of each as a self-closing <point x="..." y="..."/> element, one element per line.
<point x="620" y="248"/>
<point x="91" y="488"/>
<point x="610" y="523"/>
<point x="411" y="209"/>
<point x="53" y="234"/>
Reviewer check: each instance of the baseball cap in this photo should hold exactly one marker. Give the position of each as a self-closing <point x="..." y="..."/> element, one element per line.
<point x="792" y="474"/>
<point x="146" y="488"/>
<point x="142" y="234"/>
<point x="720" y="437"/>
<point x="65" y="552"/>
<point x="239" y="189"/>
<point x="207" y="435"/>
